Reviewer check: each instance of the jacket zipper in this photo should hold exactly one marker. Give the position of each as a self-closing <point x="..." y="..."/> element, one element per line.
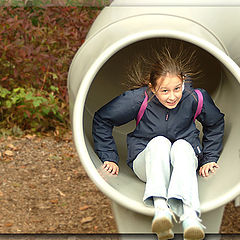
<point x="167" y="115"/>
<point x="166" y="119"/>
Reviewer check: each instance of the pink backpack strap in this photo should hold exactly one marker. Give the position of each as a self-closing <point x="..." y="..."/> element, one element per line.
<point x="142" y="108"/>
<point x="200" y="103"/>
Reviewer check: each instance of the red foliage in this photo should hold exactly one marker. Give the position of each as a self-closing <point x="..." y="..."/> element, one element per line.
<point x="38" y="45"/>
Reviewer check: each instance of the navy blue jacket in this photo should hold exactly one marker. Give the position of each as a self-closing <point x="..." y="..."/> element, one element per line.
<point x="178" y="125"/>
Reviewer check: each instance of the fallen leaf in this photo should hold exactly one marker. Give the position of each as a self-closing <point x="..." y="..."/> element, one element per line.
<point x="9" y="153"/>
<point x="11" y="146"/>
<point x="32" y="185"/>
<point x="8" y="224"/>
<point x="75" y="172"/>
<point x="84" y="208"/>
<point x="28" y="136"/>
<point x="1" y="193"/>
<point x="54" y="201"/>
<point x="56" y="133"/>
<point x="86" y="219"/>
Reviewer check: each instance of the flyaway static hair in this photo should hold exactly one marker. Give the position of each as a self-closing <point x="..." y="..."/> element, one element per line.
<point x="174" y="58"/>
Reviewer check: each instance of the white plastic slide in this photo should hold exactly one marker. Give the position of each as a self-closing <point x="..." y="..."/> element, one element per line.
<point x="99" y="68"/>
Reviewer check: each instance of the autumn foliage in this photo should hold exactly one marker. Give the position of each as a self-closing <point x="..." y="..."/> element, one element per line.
<point x="37" y="47"/>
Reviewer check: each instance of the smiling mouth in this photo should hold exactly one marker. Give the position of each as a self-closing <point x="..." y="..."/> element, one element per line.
<point x="172" y="103"/>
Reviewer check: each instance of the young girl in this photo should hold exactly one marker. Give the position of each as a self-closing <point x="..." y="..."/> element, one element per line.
<point x="164" y="150"/>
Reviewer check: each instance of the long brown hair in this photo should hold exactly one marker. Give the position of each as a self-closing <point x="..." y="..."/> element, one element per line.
<point x="175" y="58"/>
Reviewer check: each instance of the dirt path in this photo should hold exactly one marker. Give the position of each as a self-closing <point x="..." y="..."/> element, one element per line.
<point x="44" y="189"/>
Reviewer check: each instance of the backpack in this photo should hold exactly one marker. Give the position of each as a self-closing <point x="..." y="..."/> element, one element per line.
<point x="145" y="102"/>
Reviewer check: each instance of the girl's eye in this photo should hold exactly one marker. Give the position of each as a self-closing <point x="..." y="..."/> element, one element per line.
<point x="164" y="90"/>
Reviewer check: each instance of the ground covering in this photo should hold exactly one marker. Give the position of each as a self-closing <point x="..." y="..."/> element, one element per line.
<point x="44" y="189"/>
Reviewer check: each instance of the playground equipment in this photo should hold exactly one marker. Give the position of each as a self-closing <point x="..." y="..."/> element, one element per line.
<point x="126" y="28"/>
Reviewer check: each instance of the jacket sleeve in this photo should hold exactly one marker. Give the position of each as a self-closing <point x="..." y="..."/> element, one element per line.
<point x="119" y="111"/>
<point x="212" y="121"/>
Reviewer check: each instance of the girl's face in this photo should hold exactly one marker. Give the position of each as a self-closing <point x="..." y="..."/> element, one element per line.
<point x="168" y="90"/>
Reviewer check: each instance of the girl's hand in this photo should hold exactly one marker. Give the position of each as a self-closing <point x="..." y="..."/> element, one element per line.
<point x="204" y="170"/>
<point x="111" y="167"/>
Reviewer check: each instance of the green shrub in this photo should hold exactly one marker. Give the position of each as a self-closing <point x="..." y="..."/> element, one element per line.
<point x="31" y="109"/>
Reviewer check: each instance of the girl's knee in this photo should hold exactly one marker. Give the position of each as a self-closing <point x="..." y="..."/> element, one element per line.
<point x="159" y="142"/>
<point x="182" y="145"/>
<point x="183" y="151"/>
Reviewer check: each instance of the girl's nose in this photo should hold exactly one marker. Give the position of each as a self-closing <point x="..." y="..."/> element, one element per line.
<point x="171" y="96"/>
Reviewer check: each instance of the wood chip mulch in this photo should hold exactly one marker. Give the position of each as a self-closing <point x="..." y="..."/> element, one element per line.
<point x="44" y="189"/>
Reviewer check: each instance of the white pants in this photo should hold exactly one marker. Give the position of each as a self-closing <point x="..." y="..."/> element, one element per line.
<point x="169" y="171"/>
